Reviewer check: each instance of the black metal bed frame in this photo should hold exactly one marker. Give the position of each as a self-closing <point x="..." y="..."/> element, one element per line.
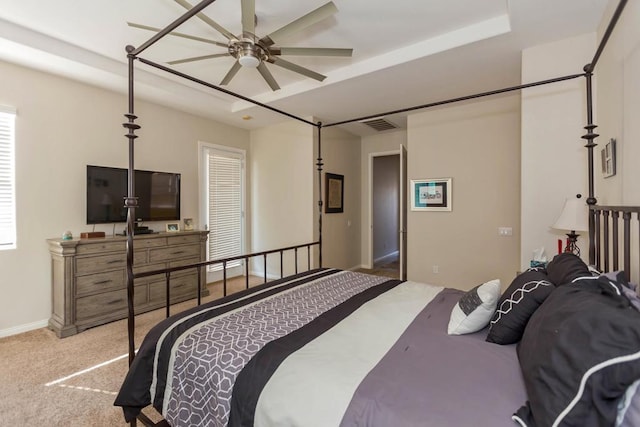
<point x="598" y="246"/>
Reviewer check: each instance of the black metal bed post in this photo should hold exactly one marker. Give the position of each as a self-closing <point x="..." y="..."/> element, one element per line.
<point x="319" y="164"/>
<point x="590" y="136"/>
<point x="130" y="202"/>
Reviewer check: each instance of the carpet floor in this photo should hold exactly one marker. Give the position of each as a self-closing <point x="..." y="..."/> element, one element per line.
<point x="48" y="381"/>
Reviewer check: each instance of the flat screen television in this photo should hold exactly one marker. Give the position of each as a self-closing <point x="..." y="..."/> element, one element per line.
<point x="158" y="195"/>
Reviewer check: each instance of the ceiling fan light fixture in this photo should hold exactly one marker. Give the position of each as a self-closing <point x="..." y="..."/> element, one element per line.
<point x="248" y="60"/>
<point x="247" y="53"/>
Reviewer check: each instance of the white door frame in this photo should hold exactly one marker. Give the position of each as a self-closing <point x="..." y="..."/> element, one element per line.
<point x="371" y="157"/>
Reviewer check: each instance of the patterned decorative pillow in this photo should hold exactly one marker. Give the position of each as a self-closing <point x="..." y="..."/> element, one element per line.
<point x="516" y="305"/>
<point x="475" y="308"/>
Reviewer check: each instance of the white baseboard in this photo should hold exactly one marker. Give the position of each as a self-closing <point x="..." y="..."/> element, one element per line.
<point x="23" y="328"/>
<point x="382" y="258"/>
<point x="357" y="267"/>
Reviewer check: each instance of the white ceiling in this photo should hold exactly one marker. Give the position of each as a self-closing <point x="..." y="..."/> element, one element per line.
<point x="405" y="52"/>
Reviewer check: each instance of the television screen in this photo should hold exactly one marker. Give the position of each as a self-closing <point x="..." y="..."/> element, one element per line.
<point x="158" y="195"/>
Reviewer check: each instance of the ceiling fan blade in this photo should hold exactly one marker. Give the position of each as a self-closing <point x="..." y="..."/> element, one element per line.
<point x="311" y="51"/>
<point x="232" y="72"/>
<point x="248" y="18"/>
<point x="208" y="20"/>
<point x="173" y="33"/>
<point x="297" y="68"/>
<point x="198" y="58"/>
<point x="264" y="71"/>
<point x="307" y="20"/>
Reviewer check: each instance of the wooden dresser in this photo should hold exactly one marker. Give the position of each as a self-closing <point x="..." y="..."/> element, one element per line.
<point x="88" y="277"/>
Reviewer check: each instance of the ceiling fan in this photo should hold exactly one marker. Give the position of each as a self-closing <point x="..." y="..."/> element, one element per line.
<point x="253" y="52"/>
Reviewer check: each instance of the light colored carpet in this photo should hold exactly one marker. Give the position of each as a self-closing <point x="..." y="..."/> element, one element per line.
<point x="47" y="381"/>
<point x="389" y="267"/>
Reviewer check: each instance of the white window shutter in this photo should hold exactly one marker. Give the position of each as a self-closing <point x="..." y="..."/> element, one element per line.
<point x="225" y="206"/>
<point x="7" y="179"/>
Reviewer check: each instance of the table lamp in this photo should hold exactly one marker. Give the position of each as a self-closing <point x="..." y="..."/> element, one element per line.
<point x="573" y="218"/>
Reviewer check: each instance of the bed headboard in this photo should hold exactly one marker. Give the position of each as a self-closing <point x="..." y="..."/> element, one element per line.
<point x="610" y="239"/>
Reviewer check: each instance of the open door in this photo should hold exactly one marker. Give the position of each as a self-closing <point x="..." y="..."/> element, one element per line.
<point x="403" y="213"/>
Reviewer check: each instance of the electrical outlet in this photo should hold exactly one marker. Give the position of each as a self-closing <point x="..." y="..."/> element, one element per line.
<point x="505" y="231"/>
<point x="436" y="269"/>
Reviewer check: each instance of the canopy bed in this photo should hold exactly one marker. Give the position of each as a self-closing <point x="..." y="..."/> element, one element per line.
<point x="294" y="351"/>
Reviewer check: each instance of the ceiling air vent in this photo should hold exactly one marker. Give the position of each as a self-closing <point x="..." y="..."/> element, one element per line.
<point x="379" y="124"/>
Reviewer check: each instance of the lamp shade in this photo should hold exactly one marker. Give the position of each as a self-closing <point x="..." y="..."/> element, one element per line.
<point x="573" y="216"/>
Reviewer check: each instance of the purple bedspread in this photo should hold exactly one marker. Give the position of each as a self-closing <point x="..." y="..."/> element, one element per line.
<point x="470" y="382"/>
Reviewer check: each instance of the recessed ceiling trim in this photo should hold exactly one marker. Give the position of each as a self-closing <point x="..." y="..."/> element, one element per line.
<point x="470" y="34"/>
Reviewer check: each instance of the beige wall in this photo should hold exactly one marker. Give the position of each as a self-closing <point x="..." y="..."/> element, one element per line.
<point x="340" y="231"/>
<point x="282" y="177"/>
<point x="618" y="107"/>
<point x="383" y="143"/>
<point x="554" y="160"/>
<point x="62" y="126"/>
<point x="477" y="145"/>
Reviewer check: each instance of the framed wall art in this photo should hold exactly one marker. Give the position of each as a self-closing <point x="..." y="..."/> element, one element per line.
<point x="334" y="193"/>
<point x="431" y="194"/>
<point x="608" y="154"/>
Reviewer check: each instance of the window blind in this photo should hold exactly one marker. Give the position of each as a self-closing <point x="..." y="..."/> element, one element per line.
<point x="7" y="179"/>
<point x="225" y="206"/>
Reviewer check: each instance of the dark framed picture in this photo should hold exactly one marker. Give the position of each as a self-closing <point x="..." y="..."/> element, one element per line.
<point x="334" y="193"/>
<point x="431" y="194"/>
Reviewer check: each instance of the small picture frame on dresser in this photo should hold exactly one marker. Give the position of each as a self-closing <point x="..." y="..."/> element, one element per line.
<point x="172" y="227"/>
<point x="188" y="224"/>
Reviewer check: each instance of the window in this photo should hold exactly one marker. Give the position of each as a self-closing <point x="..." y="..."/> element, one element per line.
<point x="7" y="178"/>
<point x="224" y="170"/>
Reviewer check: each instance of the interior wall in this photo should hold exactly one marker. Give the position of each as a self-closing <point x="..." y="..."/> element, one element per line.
<point x="618" y="107"/>
<point x="280" y="196"/>
<point x="380" y="143"/>
<point x="554" y="160"/>
<point x="477" y="145"/>
<point x="386" y="199"/>
<point x="340" y="231"/>
<point x="62" y="126"/>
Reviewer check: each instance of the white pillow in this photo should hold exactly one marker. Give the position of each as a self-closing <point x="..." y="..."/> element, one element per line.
<point x="475" y="309"/>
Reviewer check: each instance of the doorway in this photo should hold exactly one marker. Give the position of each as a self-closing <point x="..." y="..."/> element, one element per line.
<point x="385" y="213"/>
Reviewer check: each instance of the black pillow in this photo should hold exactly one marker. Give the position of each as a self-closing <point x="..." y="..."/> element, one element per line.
<point x="516" y="305"/>
<point x="579" y="353"/>
<point x="566" y="267"/>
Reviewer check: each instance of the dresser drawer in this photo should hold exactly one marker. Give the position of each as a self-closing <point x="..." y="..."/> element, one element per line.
<point x="149" y="242"/>
<point x="107" y="303"/>
<point x="99" y="282"/>
<point x="181" y="287"/>
<point x="176" y="252"/>
<point x="183" y="239"/>
<point x="98" y="264"/>
<point x="100" y="247"/>
<point x="139" y="256"/>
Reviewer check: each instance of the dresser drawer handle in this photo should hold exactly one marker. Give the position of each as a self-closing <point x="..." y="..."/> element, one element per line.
<point x="102" y="282"/>
<point x="114" y="261"/>
<point x="177" y="252"/>
<point x="117" y="301"/>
